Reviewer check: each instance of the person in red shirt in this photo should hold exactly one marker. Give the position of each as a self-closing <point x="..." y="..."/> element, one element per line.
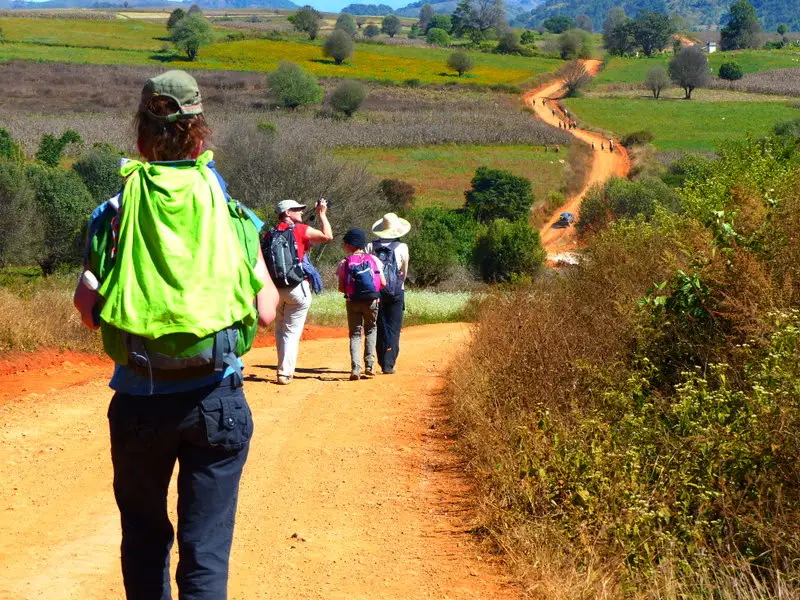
<point x="290" y="316"/>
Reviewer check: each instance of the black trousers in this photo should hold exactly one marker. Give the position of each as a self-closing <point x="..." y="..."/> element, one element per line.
<point x="207" y="432"/>
<point x="390" y="322"/>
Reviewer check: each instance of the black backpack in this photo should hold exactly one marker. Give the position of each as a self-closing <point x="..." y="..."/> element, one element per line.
<point x="384" y="251"/>
<point x="279" y="248"/>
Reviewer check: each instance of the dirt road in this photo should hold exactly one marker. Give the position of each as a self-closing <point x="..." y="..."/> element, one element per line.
<point x="604" y="164"/>
<point x="362" y="472"/>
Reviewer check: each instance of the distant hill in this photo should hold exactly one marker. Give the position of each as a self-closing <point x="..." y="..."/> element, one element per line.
<point x="699" y="14"/>
<point x="513" y="7"/>
<point x="215" y="4"/>
<point x="368" y="10"/>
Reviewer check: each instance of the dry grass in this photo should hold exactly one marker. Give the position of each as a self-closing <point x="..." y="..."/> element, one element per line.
<point x="783" y="82"/>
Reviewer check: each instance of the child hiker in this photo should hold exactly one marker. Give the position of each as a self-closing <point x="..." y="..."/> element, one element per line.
<point x="175" y="280"/>
<point x="361" y="280"/>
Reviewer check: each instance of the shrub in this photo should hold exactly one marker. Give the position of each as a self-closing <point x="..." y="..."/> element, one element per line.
<point x="346" y="23"/>
<point x="431" y="244"/>
<point x="175" y="16"/>
<point x="399" y="194"/>
<point x="348" y="96"/>
<point x="99" y="171"/>
<point x="339" y="46"/>
<point x="657" y="79"/>
<point x="440" y="22"/>
<point x="464" y="230"/>
<point x="191" y="33"/>
<point x="558" y="24"/>
<point x="509" y="44"/>
<point x="498" y="194"/>
<point x="575" y="76"/>
<point x="371" y="31"/>
<point x="637" y="138"/>
<point x="575" y="43"/>
<point x="64" y="204"/>
<point x="21" y="235"/>
<point x="437" y="37"/>
<point x="788" y="128"/>
<point x="9" y="149"/>
<point x="509" y="250"/>
<point x="391" y="25"/>
<point x="293" y="87"/>
<point x="51" y="148"/>
<point x="460" y="62"/>
<point x="731" y="71"/>
<point x="528" y="37"/>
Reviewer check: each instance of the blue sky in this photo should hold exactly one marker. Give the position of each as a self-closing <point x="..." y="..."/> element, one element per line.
<point x="337" y="5"/>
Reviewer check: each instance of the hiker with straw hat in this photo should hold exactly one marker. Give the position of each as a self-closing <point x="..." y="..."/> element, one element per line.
<point x="393" y="254"/>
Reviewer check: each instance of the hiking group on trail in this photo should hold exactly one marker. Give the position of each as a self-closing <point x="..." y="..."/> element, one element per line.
<point x="177" y="277"/>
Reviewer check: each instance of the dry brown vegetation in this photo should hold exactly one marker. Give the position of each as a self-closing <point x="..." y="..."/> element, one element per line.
<point x="781" y="82"/>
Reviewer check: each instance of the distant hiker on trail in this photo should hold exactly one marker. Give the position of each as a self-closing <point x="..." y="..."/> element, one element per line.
<point x="610" y="145"/>
<point x="553" y="110"/>
<point x="393" y="254"/>
<point x="557" y="149"/>
<point x="592" y="145"/>
<point x="602" y="146"/>
<point x="285" y="247"/>
<point x="361" y="280"/>
<point x="177" y="311"/>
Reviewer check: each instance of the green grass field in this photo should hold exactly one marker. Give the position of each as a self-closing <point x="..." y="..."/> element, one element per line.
<point x="634" y="70"/>
<point x="143" y="42"/>
<point x="680" y="124"/>
<point x="441" y="174"/>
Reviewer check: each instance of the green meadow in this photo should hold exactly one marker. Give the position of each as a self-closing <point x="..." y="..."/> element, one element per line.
<point x="441" y="174"/>
<point x="682" y="124"/>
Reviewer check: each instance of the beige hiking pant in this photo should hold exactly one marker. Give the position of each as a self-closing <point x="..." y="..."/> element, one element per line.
<point x="290" y="318"/>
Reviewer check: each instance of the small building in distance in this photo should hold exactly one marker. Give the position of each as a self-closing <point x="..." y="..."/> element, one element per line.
<point x="711" y="47"/>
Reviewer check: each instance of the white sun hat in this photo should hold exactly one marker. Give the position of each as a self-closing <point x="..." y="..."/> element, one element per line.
<point x="391" y="226"/>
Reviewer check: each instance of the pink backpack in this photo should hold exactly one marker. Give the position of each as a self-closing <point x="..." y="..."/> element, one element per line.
<point x="363" y="277"/>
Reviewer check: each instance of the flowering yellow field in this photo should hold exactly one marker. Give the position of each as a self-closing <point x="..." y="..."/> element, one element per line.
<point x="143" y="42"/>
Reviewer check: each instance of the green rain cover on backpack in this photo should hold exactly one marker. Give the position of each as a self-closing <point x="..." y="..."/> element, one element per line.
<point x="180" y="271"/>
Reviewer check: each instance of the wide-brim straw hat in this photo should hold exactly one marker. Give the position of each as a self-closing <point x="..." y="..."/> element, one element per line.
<point x="391" y="226"/>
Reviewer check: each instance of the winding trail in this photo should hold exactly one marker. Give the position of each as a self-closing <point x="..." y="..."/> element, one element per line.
<point x="362" y="472"/>
<point x="605" y="164"/>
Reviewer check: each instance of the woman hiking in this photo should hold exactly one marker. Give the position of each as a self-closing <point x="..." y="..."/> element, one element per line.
<point x="175" y="280"/>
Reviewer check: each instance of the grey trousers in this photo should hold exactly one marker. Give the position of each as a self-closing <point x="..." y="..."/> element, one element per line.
<point x="362" y="319"/>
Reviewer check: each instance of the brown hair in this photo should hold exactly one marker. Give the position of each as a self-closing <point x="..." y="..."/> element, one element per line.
<point x="159" y="140"/>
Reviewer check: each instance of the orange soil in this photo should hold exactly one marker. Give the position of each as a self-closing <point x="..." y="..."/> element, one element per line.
<point x="361" y="471"/>
<point x="605" y="164"/>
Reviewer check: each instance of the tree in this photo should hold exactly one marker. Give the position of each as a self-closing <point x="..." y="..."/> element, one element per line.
<point x="175" y="16"/>
<point x="584" y="22"/>
<point x="476" y="18"/>
<point x="689" y="69"/>
<point x="391" y="25"/>
<point x="293" y="87"/>
<point x="195" y="10"/>
<point x="371" y="30"/>
<point x="460" y="62"/>
<point x="432" y="245"/>
<point x="528" y="37"/>
<point x="440" y="22"/>
<point x="657" y="79"/>
<point x="346" y="23"/>
<point x="742" y="30"/>
<point x="730" y="71"/>
<point x="498" y="194"/>
<point x="651" y="31"/>
<point x="63" y="203"/>
<point x="618" y="32"/>
<point x="575" y="43"/>
<point x="437" y="37"/>
<point x="426" y="13"/>
<point x="192" y="32"/>
<point x="306" y="20"/>
<point x="509" y="44"/>
<point x="348" y="96"/>
<point x="782" y="29"/>
<point x="9" y="148"/>
<point x="360" y="21"/>
<point x="339" y="46"/>
<point x="99" y="171"/>
<point x="508" y="250"/>
<point x="575" y="76"/>
<point x="558" y="24"/>
<point x="21" y="236"/>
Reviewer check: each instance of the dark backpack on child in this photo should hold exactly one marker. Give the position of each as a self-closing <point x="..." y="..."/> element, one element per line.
<point x="384" y="251"/>
<point x="279" y="248"/>
<point x="363" y="280"/>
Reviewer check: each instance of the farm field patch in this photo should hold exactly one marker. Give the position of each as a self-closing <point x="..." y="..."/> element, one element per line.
<point x="634" y="70"/>
<point x="441" y="174"/>
<point x="680" y="124"/>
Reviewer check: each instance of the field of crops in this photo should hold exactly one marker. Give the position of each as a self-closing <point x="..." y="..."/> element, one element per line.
<point x="634" y="70"/>
<point x="143" y="42"/>
<point x="441" y="174"/>
<point x="680" y="124"/>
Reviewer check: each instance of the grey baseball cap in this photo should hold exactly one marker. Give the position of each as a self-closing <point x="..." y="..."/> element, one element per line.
<point x="285" y="205"/>
<point x="180" y="87"/>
